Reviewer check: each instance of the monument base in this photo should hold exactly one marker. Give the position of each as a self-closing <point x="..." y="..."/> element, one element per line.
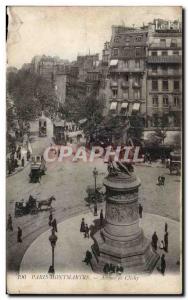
<point x="135" y="255"/>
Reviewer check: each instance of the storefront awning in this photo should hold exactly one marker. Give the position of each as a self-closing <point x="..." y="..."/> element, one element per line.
<point x="113" y="106"/>
<point x="82" y="121"/>
<point x="136" y="106"/>
<point x="114" y="62"/>
<point x="124" y="105"/>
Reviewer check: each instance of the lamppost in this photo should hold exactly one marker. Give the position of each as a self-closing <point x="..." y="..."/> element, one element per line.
<point x="95" y="174"/>
<point x="53" y="240"/>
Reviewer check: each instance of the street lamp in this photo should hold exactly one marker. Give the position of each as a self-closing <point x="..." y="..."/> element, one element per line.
<point x="53" y="240"/>
<point x="95" y="174"/>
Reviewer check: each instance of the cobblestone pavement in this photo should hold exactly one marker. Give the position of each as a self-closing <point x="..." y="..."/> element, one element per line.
<point x="67" y="181"/>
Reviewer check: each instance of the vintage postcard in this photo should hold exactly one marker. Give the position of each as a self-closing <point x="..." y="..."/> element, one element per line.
<point x="94" y="150"/>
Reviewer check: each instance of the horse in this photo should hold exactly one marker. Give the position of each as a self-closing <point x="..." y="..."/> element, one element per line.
<point x="47" y="202"/>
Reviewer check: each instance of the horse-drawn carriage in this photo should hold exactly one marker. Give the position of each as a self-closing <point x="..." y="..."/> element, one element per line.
<point x="32" y="206"/>
<point x="38" y="168"/>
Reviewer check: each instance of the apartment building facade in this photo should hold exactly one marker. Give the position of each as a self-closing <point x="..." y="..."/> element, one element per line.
<point x="164" y="74"/>
<point x="126" y="79"/>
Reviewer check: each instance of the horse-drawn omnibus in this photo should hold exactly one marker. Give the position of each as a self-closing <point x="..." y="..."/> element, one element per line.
<point x="38" y="168"/>
<point x="59" y="132"/>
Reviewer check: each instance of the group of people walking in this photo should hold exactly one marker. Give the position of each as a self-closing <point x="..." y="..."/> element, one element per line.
<point x="163" y="246"/>
<point x="16" y="159"/>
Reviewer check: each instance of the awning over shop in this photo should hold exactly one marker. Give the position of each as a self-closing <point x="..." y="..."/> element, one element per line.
<point x="82" y="121"/>
<point x="136" y="106"/>
<point x="124" y="105"/>
<point x="59" y="123"/>
<point x="113" y="106"/>
<point x="114" y="62"/>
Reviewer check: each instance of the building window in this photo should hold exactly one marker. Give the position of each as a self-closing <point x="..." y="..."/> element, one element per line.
<point x="116" y="39"/>
<point x="114" y="93"/>
<point x="154" y="53"/>
<point x="155" y="102"/>
<point x="137" y="64"/>
<point x="174" y="43"/>
<point x="137" y="94"/>
<point x="138" y="38"/>
<point x="165" y="101"/>
<point x="163" y="42"/>
<point x="164" y="53"/>
<point x="154" y="84"/>
<point x="176" y="85"/>
<point x="138" y="51"/>
<point x="115" y="51"/>
<point x="164" y="69"/>
<point x="165" y="85"/>
<point x="154" y="69"/>
<point x="136" y="81"/>
<point x="126" y="51"/>
<point x="126" y="78"/>
<point x="175" y="52"/>
<point x="176" y="101"/>
<point x="127" y="39"/>
<point x="126" y="94"/>
<point x="126" y="64"/>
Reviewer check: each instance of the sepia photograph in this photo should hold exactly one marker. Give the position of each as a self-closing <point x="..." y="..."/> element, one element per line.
<point x="94" y="131"/>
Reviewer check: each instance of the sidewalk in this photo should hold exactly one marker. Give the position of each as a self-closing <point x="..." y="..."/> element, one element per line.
<point x="71" y="245"/>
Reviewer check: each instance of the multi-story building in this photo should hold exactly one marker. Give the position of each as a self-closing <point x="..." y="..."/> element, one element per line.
<point x="85" y="64"/>
<point x="126" y="84"/>
<point x="164" y="75"/>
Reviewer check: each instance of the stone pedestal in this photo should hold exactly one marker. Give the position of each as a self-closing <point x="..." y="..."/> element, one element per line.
<point x="121" y="241"/>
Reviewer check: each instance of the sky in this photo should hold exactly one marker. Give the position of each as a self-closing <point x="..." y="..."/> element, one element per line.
<point x="69" y="31"/>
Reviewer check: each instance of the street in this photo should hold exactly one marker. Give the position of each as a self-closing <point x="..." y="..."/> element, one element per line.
<point x="67" y="181"/>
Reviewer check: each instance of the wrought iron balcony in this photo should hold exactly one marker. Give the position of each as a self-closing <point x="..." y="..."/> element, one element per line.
<point x="165" y="59"/>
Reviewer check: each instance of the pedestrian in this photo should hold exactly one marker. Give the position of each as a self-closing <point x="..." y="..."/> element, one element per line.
<point x="101" y="217"/>
<point x="86" y="231"/>
<point x="19" y="235"/>
<point x="9" y="223"/>
<point x="119" y="269"/>
<point x="54" y="224"/>
<point x="15" y="163"/>
<point x="88" y="257"/>
<point x="161" y="245"/>
<point x="95" y="208"/>
<point x="28" y="155"/>
<point x="112" y="268"/>
<point x="166" y="241"/>
<point x="106" y="268"/>
<point x="19" y="155"/>
<point x="163" y="264"/>
<point x="23" y="161"/>
<point x="154" y="241"/>
<point x="82" y="226"/>
<point x="159" y="180"/>
<point x="166" y="227"/>
<point x="140" y="210"/>
<point x="50" y="219"/>
<point x="162" y="180"/>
